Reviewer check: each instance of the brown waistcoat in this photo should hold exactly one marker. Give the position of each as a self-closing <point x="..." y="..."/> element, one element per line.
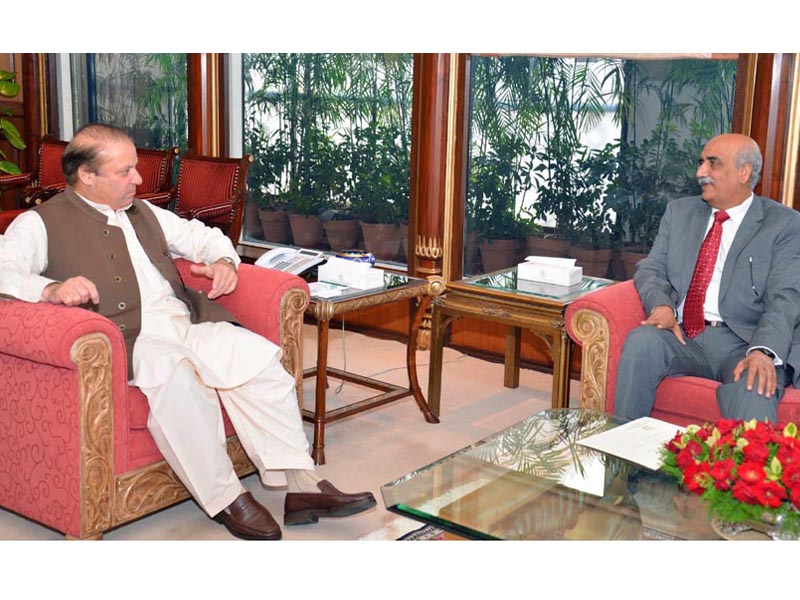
<point x="81" y="242"/>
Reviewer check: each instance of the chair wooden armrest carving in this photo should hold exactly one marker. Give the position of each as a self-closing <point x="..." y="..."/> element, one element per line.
<point x="8" y="181"/>
<point x="75" y="452"/>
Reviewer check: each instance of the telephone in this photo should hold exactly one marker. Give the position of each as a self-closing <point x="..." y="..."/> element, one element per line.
<point x="291" y="260"/>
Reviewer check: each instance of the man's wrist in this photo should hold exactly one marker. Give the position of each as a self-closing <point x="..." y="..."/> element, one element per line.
<point x="228" y="260"/>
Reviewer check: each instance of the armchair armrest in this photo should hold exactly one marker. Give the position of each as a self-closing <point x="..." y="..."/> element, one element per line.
<point x="600" y="322"/>
<point x="34" y="196"/>
<point x="46" y="333"/>
<point x="211" y="211"/>
<point x="12" y="181"/>
<point x="65" y="390"/>
<point x="160" y="199"/>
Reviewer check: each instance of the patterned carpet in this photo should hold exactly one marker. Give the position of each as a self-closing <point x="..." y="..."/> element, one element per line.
<point x="407" y="530"/>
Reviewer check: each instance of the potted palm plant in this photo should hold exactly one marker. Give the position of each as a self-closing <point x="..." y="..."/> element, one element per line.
<point x="317" y="180"/>
<point x="649" y="175"/>
<point x="591" y="244"/>
<point x="378" y="187"/>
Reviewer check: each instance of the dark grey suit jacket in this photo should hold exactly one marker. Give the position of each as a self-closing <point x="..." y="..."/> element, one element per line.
<point x="760" y="288"/>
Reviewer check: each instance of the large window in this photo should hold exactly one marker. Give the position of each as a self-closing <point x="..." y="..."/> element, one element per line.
<point x="331" y="139"/>
<point x="144" y="94"/>
<point x="575" y="154"/>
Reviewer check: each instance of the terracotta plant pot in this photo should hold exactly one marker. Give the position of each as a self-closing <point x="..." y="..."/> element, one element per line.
<point x="546" y="246"/>
<point x="252" y="222"/>
<point x="594" y="262"/>
<point x="499" y="254"/>
<point x="471" y="262"/>
<point x="342" y="235"/>
<point x="306" y="230"/>
<point x="629" y="260"/>
<point x="275" y="225"/>
<point x="382" y="239"/>
<point x="403" y="241"/>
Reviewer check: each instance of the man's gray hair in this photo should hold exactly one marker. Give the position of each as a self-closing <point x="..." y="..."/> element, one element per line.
<point x="750" y="154"/>
<point x="86" y="147"/>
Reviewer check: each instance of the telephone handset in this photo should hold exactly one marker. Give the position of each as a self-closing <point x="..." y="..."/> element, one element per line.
<point x="291" y="260"/>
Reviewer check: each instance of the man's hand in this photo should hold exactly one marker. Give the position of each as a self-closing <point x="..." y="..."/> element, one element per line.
<point x="222" y="273"/>
<point x="72" y="292"/>
<point x="758" y="364"/>
<point x="663" y="317"/>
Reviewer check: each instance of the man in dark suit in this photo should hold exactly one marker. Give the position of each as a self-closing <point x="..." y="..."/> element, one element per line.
<point x="721" y="291"/>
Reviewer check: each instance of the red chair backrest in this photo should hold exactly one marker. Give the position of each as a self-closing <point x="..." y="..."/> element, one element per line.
<point x="155" y="168"/>
<point x="50" y="172"/>
<point x="203" y="181"/>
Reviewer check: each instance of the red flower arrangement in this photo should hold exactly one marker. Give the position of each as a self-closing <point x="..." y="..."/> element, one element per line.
<point x="744" y="470"/>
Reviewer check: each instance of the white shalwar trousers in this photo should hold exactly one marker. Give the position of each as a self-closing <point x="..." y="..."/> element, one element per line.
<point x="186" y="419"/>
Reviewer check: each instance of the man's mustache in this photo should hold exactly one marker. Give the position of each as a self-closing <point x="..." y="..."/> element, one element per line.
<point x="705" y="180"/>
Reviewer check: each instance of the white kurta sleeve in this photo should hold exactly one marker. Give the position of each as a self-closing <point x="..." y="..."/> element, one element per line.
<point x="23" y="256"/>
<point x="193" y="240"/>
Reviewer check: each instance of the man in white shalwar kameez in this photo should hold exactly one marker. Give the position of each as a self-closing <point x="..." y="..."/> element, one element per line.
<point x="178" y="365"/>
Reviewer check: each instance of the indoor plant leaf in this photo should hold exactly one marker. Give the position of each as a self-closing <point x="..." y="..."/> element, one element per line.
<point x="9" y="167"/>
<point x="11" y="134"/>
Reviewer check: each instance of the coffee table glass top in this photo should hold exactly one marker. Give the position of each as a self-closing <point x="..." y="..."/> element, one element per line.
<point x="534" y="481"/>
<point x="507" y="281"/>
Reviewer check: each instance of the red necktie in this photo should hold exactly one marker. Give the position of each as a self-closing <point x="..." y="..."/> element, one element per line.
<point x="694" y="320"/>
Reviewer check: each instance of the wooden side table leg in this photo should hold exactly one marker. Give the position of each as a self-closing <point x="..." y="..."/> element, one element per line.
<point x="318" y="450"/>
<point x="411" y="360"/>
<point x="513" y="347"/>
<point x="562" y="351"/>
<point x="438" y="326"/>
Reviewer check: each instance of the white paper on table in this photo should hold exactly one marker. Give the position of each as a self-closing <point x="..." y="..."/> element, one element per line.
<point x="638" y="441"/>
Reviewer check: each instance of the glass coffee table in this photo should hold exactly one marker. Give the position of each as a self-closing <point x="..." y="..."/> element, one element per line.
<point x="533" y="481"/>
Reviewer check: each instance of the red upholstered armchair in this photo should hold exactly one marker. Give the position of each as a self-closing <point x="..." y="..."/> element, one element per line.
<point x="213" y="191"/>
<point x="155" y="169"/>
<point x="75" y="452"/>
<point x="600" y="321"/>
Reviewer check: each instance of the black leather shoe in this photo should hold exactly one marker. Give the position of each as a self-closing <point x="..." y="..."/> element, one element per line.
<point x="247" y="519"/>
<point x="300" y="508"/>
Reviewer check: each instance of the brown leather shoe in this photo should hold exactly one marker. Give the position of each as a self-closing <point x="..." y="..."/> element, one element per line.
<point x="247" y="519"/>
<point x="300" y="508"/>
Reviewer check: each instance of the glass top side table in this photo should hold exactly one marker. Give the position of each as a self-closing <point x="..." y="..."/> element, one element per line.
<point x="518" y="304"/>
<point x="395" y="288"/>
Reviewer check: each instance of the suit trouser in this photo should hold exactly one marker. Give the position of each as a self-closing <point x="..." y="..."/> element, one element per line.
<point x="651" y="354"/>
<point x="186" y="423"/>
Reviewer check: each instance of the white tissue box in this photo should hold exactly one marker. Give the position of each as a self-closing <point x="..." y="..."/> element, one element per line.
<point x="361" y="276"/>
<point x="550" y="273"/>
